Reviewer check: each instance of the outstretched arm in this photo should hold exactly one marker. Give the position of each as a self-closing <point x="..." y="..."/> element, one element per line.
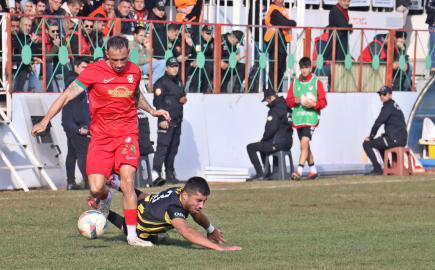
<point x="69" y="94"/>
<point x="212" y="233"/>
<point x="196" y="237"/>
<point x="143" y="104"/>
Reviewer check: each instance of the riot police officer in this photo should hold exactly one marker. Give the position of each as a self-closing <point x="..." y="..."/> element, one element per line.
<point x="203" y="44"/>
<point x="168" y="94"/>
<point x="235" y="75"/>
<point x="395" y="135"/>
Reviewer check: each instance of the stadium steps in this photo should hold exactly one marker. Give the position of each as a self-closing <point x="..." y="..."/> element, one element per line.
<point x="35" y="163"/>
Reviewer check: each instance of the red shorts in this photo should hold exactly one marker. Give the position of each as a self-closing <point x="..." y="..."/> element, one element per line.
<point x="108" y="154"/>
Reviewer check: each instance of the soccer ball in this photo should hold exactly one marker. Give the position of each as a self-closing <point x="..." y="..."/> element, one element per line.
<point x="92" y="224"/>
<point x="308" y="96"/>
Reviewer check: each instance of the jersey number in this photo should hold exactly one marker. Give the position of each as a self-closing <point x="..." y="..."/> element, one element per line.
<point x="156" y="198"/>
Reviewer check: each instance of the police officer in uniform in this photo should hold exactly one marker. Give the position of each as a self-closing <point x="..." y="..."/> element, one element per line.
<point x="277" y="134"/>
<point x="230" y="41"/>
<point x="203" y="43"/>
<point x="168" y="94"/>
<point x="395" y="129"/>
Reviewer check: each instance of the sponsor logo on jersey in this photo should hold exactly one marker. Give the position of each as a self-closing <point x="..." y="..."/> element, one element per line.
<point x="198" y="48"/>
<point x="299" y="88"/>
<point x="120" y="91"/>
<point x="128" y="157"/>
<point x="158" y="91"/>
<point x="130" y="78"/>
<point x="310" y="87"/>
<point x="179" y="215"/>
<point x="106" y="81"/>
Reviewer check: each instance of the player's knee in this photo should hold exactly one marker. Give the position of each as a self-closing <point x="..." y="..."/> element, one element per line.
<point x="127" y="185"/>
<point x="95" y="191"/>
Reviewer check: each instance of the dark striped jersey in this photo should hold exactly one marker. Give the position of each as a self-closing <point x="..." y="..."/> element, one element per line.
<point x="156" y="212"/>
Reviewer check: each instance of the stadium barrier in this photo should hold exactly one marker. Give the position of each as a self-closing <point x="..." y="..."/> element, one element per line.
<point x="348" y="75"/>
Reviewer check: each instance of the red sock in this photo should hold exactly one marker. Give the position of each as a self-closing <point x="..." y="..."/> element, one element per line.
<point x="104" y="197"/>
<point x="130" y="216"/>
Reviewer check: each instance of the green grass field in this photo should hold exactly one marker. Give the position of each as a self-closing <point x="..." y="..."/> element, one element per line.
<point x="334" y="223"/>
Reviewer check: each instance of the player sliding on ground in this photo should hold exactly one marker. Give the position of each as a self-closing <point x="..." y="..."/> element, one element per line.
<point x="113" y="93"/>
<point x="159" y="213"/>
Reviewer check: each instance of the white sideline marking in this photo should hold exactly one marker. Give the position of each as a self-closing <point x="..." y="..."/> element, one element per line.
<point x="312" y="183"/>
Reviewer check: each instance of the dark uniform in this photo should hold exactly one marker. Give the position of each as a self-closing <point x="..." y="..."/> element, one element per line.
<point x="160" y="5"/>
<point x="395" y="131"/>
<point x="204" y="74"/>
<point x="277" y="134"/>
<point x="234" y="75"/>
<point x="167" y="94"/>
<point x="189" y="52"/>
<point x="155" y="214"/>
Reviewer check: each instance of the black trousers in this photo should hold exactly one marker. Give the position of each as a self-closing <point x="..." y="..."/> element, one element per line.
<point x="282" y="67"/>
<point x="263" y="148"/>
<point x="206" y="72"/>
<point x="236" y="75"/>
<point x="77" y="151"/>
<point x="145" y="146"/>
<point x="168" y="141"/>
<point x="381" y="144"/>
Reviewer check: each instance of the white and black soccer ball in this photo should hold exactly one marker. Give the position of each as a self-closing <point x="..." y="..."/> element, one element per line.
<point x="92" y="224"/>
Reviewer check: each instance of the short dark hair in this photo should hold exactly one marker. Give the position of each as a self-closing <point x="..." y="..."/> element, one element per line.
<point x="117" y="43"/>
<point x="74" y="2"/>
<point x="99" y="15"/>
<point x="401" y="34"/>
<point x="15" y="19"/>
<point x="173" y="27"/>
<point x="128" y="1"/>
<point x="197" y="184"/>
<point x="40" y="1"/>
<point x="79" y="59"/>
<point x="51" y="22"/>
<point x="138" y="29"/>
<point x="108" y="0"/>
<point x="305" y="62"/>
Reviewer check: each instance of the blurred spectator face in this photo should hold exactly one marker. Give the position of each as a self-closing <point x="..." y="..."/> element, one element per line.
<point x="234" y="41"/>
<point x="172" y="34"/>
<point x="75" y="8"/>
<point x="139" y="36"/>
<point x="26" y="25"/>
<point x="100" y="26"/>
<point x="138" y="5"/>
<point x="28" y="8"/>
<point x="124" y="8"/>
<point x="55" y="4"/>
<point x="279" y="3"/>
<point x="89" y="26"/>
<point x="344" y="3"/>
<point x="399" y="42"/>
<point x="108" y="6"/>
<point x="159" y="13"/>
<point x="305" y="71"/>
<point x="173" y="71"/>
<point x="40" y="8"/>
<point x="15" y="27"/>
<point x="80" y="67"/>
<point x="18" y="7"/>
<point x="53" y="32"/>
<point x="206" y="36"/>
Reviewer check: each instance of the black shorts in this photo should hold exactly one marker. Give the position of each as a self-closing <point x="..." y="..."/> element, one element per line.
<point x="305" y="132"/>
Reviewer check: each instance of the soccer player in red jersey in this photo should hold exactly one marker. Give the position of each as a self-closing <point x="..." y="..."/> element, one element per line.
<point x="113" y="97"/>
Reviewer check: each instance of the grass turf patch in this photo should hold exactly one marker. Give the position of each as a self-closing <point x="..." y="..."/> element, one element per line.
<point x="333" y="223"/>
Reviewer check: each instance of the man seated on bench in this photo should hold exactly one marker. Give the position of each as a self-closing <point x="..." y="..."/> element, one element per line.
<point x="277" y="134"/>
<point x="395" y="135"/>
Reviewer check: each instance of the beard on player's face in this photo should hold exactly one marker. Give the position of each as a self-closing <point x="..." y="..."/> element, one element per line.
<point x="117" y="58"/>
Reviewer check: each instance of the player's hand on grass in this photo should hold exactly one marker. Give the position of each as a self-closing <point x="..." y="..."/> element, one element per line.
<point x="164" y="125"/>
<point x="297" y="99"/>
<point x="230" y="248"/>
<point x="38" y="128"/>
<point x="163" y="113"/>
<point x="216" y="236"/>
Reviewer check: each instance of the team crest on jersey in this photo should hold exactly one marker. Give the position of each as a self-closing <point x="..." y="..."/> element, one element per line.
<point x="269" y="118"/>
<point x="130" y="78"/>
<point x="197" y="48"/>
<point x="310" y="87"/>
<point x="158" y="91"/>
<point x="128" y="140"/>
<point x="178" y="49"/>
<point x="120" y="91"/>
<point x="299" y="88"/>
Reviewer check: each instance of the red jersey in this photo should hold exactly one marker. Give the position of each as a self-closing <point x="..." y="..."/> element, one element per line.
<point x="111" y="98"/>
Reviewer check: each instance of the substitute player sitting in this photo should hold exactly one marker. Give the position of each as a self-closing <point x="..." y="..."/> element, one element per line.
<point x="306" y="115"/>
<point x="159" y="213"/>
<point x="113" y="93"/>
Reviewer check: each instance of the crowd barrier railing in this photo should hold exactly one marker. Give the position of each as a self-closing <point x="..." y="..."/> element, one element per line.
<point x="244" y="68"/>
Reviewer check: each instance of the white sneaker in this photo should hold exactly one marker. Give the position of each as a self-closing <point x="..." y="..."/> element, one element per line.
<point x="104" y="205"/>
<point x="136" y="241"/>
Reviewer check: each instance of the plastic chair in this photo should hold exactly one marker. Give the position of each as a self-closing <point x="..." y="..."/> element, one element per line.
<point x="279" y="171"/>
<point x="140" y="181"/>
<point x="398" y="161"/>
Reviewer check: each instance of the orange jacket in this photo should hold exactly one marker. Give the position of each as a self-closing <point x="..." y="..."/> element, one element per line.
<point x="271" y="31"/>
<point x="101" y="11"/>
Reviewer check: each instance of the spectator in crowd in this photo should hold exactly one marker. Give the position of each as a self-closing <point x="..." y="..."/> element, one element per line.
<point x="40" y="7"/>
<point x="402" y="6"/>
<point x="320" y="44"/>
<point x="164" y="40"/>
<point x="189" y="11"/>
<point x="70" y="9"/>
<point x="76" y="129"/>
<point x="107" y="11"/>
<point x="98" y="34"/>
<point x="277" y="15"/>
<point x="306" y="113"/>
<point x="203" y="43"/>
<point x="235" y="75"/>
<point x="339" y="17"/>
<point x="122" y="12"/>
<point x="138" y="13"/>
<point x="139" y="44"/>
<point x="88" y="7"/>
<point x="28" y="9"/>
<point x="86" y="43"/>
<point x="189" y="50"/>
<point x="430" y="20"/>
<point x="53" y="9"/>
<point x="158" y="13"/>
<point x="277" y="134"/>
<point x="18" y="8"/>
<point x="168" y="95"/>
<point x="395" y="135"/>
